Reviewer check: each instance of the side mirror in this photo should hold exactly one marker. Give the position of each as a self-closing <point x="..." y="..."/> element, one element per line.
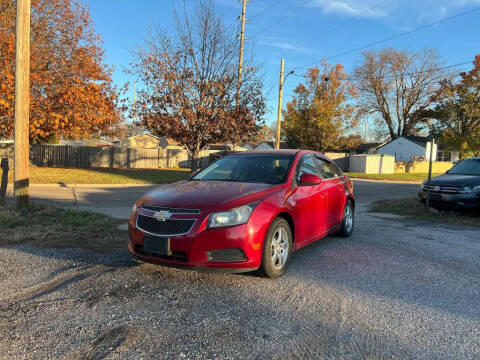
<point x="309" y="180"/>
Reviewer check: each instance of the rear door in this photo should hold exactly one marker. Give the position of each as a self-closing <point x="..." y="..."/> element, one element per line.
<point x="309" y="204"/>
<point x="336" y="191"/>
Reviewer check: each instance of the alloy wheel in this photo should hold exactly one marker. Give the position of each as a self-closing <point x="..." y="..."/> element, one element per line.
<point x="280" y="248"/>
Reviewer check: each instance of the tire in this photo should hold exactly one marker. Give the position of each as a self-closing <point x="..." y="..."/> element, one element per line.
<point x="277" y="251"/>
<point x="348" y="220"/>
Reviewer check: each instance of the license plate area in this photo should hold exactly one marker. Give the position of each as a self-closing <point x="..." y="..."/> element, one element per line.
<point x="157" y="245"/>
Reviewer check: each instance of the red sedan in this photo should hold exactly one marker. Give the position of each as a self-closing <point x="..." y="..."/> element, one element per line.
<point x="244" y="212"/>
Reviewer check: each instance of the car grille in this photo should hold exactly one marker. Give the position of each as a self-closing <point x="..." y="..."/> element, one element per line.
<point x="170" y="209"/>
<point x="443" y="189"/>
<point x="168" y="227"/>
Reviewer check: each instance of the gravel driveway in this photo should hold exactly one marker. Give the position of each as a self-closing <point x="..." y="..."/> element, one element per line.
<point x="395" y="289"/>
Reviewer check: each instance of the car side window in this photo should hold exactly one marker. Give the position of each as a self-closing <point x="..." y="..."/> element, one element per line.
<point x="328" y="170"/>
<point x="307" y="166"/>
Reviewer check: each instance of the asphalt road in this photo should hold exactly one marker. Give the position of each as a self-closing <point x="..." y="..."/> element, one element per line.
<point x="117" y="200"/>
<point x="395" y="290"/>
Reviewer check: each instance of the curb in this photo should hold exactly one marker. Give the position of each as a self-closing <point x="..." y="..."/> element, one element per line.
<point x="388" y="181"/>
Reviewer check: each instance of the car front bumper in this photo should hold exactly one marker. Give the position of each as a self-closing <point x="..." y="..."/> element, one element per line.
<point x="232" y="249"/>
<point x="462" y="201"/>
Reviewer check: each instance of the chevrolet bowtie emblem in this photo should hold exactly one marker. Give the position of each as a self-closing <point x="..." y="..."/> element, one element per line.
<point x="162" y="215"/>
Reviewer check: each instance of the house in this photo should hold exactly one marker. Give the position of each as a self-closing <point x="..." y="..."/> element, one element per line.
<point x="269" y="145"/>
<point x="71" y="142"/>
<point x="248" y="146"/>
<point x="225" y="147"/>
<point x="407" y="148"/>
<point x="169" y="143"/>
<point x="142" y="141"/>
<point x="367" y="148"/>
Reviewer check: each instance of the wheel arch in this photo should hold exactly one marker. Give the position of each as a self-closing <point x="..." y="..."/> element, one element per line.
<point x="289" y="219"/>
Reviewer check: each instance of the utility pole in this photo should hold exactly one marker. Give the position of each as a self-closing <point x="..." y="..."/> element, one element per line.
<point x="429" y="181"/>
<point x="240" y="59"/>
<point x="280" y="98"/>
<point x="22" y="103"/>
<point x="365" y="137"/>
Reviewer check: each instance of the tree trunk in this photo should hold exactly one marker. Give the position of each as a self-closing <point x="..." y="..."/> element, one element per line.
<point x="195" y="154"/>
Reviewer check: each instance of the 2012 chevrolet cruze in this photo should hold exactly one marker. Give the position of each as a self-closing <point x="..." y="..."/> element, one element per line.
<point x="245" y="211"/>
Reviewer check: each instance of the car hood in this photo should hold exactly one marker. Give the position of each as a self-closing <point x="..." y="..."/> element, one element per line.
<point x="456" y="180"/>
<point x="202" y="194"/>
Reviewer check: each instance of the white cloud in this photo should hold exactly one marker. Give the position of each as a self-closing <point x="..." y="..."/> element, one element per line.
<point x="284" y="45"/>
<point x="418" y="9"/>
<point x="350" y="8"/>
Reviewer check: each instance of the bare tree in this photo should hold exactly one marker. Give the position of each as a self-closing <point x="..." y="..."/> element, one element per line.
<point x="189" y="82"/>
<point x="395" y="86"/>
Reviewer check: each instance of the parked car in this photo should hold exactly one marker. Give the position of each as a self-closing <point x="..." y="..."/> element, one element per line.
<point x="459" y="187"/>
<point x="243" y="212"/>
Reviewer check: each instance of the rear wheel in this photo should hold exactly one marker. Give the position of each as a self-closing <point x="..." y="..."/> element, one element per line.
<point x="277" y="249"/>
<point x="348" y="220"/>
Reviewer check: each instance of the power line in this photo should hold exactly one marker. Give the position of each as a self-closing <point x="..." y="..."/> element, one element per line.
<point x="265" y="10"/>
<point x="281" y="19"/>
<point x="405" y="73"/>
<point x="392" y="37"/>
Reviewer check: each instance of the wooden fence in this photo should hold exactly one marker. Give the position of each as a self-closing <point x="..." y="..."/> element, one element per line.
<point x="106" y="157"/>
<point x="119" y="157"/>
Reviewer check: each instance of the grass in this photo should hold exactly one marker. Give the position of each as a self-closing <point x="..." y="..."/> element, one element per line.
<point x="46" y="175"/>
<point x="411" y="208"/>
<point x="48" y="226"/>
<point x="410" y="177"/>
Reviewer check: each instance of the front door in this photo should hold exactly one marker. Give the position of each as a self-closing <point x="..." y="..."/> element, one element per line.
<point x="310" y="204"/>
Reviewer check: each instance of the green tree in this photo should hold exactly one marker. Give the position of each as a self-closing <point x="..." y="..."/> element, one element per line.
<point x="321" y="111"/>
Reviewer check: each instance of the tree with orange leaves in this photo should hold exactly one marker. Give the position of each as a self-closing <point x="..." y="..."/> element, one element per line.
<point x="72" y="94"/>
<point x="321" y="112"/>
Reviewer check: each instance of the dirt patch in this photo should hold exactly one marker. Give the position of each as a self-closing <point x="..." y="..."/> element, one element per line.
<point x="51" y="227"/>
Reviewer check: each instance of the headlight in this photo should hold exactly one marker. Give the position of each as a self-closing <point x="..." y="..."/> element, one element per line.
<point x="233" y="217"/>
<point x="134" y="209"/>
<point x="470" y="189"/>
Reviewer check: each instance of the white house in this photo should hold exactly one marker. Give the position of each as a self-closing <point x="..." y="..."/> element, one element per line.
<point x="407" y="148"/>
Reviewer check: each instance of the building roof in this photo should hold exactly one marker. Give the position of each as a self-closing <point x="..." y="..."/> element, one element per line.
<point x="283" y="144"/>
<point x="145" y="134"/>
<point x="419" y="140"/>
<point x="219" y="147"/>
<point x="366" y="146"/>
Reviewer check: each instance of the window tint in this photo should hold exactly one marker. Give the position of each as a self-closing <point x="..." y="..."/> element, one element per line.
<point x="328" y="170"/>
<point x="307" y="166"/>
<point x="271" y="169"/>
<point x="466" y="167"/>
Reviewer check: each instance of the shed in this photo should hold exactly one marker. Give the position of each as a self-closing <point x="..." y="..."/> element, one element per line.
<point x="372" y="164"/>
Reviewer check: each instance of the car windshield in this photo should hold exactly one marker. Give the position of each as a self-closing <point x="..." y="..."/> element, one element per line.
<point x="466" y="167"/>
<point x="261" y="168"/>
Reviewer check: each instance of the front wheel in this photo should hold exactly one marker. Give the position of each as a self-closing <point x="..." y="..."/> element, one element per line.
<point x="348" y="220"/>
<point x="277" y="249"/>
